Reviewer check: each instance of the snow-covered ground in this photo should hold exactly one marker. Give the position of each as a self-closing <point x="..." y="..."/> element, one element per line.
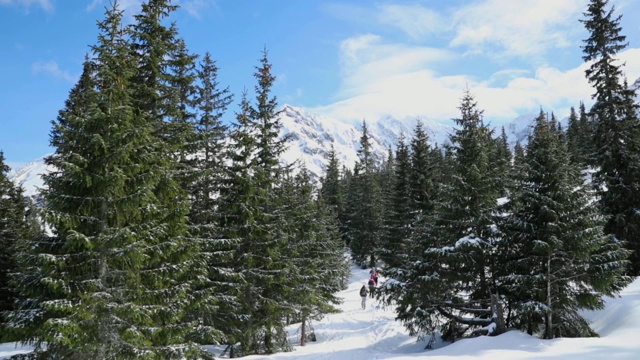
<point x="357" y="334"/>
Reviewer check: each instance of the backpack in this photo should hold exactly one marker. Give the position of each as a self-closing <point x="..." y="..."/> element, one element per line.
<point x="363" y="291"/>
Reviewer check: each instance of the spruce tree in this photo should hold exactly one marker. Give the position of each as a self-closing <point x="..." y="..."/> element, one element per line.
<point x="399" y="215"/>
<point x="367" y="208"/>
<point x="119" y="278"/>
<point x="586" y="133"/>
<point x="315" y="251"/>
<point x="218" y="295"/>
<point x="421" y="176"/>
<point x="500" y="157"/>
<point x="238" y="208"/>
<point x="14" y="229"/>
<point x="252" y="213"/>
<point x="450" y="284"/>
<point x="616" y="127"/>
<point x="396" y="249"/>
<point x="574" y="143"/>
<point x="332" y="192"/>
<point x="554" y="250"/>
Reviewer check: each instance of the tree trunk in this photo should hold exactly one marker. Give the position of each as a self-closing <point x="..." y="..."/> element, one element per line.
<point x="498" y="313"/>
<point x="303" y="332"/>
<point x="267" y="340"/>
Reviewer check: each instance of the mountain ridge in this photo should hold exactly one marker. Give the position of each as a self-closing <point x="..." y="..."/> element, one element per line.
<point x="312" y="137"/>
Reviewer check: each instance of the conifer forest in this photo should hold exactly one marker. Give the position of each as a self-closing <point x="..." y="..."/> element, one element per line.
<point x="165" y="228"/>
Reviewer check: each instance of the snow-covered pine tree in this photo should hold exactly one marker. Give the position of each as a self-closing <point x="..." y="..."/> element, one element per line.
<point x="554" y="250"/>
<point x="616" y="127"/>
<point x="500" y="157"/>
<point x="399" y="215"/>
<point x="218" y="307"/>
<point x="251" y="215"/>
<point x="586" y="133"/>
<point x="315" y="253"/>
<point x="181" y="114"/>
<point x="399" y="219"/>
<point x="118" y="272"/>
<point x="238" y="208"/>
<point x="16" y="227"/>
<point x="574" y="140"/>
<point x="42" y="295"/>
<point x="421" y="177"/>
<point x="450" y="284"/>
<point x="366" y="208"/>
<point x="332" y="191"/>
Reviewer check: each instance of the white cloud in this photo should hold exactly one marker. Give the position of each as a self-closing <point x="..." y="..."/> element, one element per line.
<point x="44" y="4"/>
<point x="52" y="68"/>
<point x="366" y="59"/>
<point x="382" y="79"/>
<point x="415" y="20"/>
<point x="516" y="28"/>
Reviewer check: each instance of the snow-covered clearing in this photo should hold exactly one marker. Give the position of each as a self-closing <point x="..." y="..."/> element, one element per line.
<point x="357" y="334"/>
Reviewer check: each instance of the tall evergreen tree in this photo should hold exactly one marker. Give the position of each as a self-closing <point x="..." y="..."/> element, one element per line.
<point x="500" y="157"/>
<point x="399" y="215"/>
<point x="574" y="140"/>
<point x="421" y="176"/>
<point x="252" y="213"/>
<point x="367" y="208"/>
<point x="557" y="260"/>
<point x="118" y="220"/>
<point x="616" y="127"/>
<point x="332" y="192"/>
<point x="586" y="135"/>
<point x="14" y="229"/>
<point x="316" y="254"/>
<point x="450" y="284"/>
<point x="206" y="169"/>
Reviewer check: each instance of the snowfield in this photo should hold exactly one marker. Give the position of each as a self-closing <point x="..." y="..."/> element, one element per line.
<point x="357" y="334"/>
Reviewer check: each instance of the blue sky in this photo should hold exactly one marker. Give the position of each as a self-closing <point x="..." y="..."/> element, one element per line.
<point x="348" y="59"/>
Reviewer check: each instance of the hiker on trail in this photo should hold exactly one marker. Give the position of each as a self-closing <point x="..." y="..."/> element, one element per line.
<point x="363" y="295"/>
<point x="374" y="275"/>
<point x="372" y="287"/>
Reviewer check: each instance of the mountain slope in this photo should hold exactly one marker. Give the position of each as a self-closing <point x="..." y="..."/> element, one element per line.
<point x="311" y="139"/>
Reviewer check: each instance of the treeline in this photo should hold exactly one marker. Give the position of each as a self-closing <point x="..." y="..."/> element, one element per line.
<point x="475" y="239"/>
<point x="163" y="227"/>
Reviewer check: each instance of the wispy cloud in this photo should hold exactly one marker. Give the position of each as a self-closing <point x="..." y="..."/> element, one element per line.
<point x="366" y="60"/>
<point x="385" y="76"/>
<point x="44" y="4"/>
<point x="53" y="69"/>
<point x="415" y="20"/>
<point x="514" y="29"/>
<point x="390" y="79"/>
<point x="424" y="93"/>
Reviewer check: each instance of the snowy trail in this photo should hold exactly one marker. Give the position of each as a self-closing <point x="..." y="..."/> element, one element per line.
<point x="357" y="334"/>
<point x="371" y="334"/>
<point x="354" y="333"/>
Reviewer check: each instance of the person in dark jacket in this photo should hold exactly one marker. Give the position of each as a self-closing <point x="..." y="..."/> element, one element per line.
<point x="363" y="295"/>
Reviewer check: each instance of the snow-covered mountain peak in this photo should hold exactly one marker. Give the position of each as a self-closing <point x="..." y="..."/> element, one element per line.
<point x="312" y="136"/>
